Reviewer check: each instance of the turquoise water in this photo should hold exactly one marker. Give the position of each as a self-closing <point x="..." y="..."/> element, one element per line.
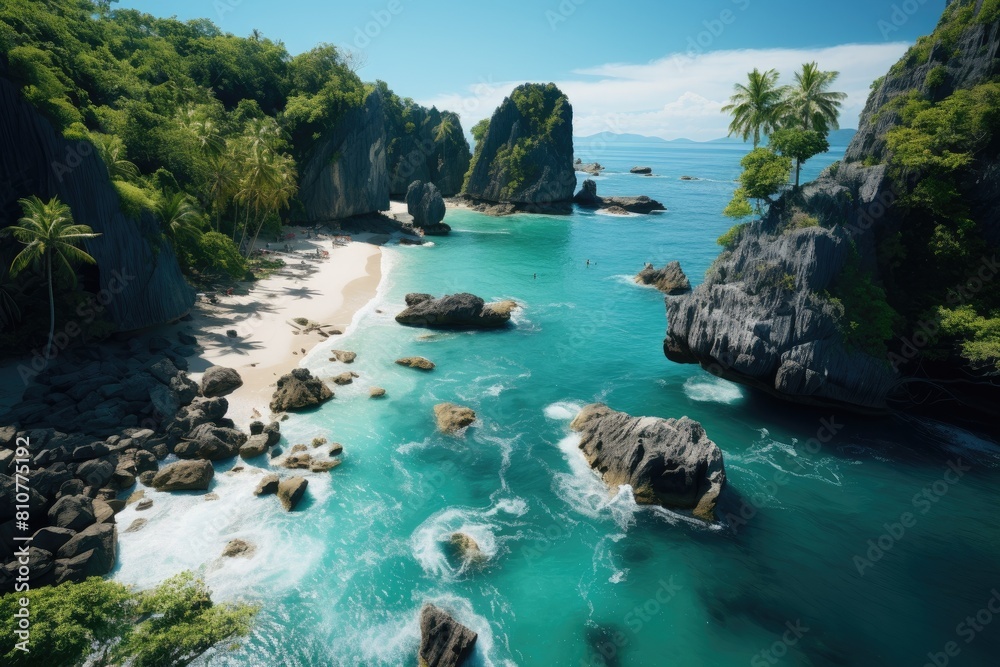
<point x="578" y="576"/>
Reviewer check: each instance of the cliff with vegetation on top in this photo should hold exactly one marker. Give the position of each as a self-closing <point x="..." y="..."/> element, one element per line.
<point x="524" y="153"/>
<point x="871" y="288"/>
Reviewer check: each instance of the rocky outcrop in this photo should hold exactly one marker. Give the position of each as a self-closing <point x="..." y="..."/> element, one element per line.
<point x="670" y="279"/>
<point x="644" y="171"/>
<point x="299" y="390"/>
<point x="136" y="271"/>
<point x="426" y="205"/>
<point x="587" y="197"/>
<point x="466" y="550"/>
<point x="525" y="157"/>
<point x="460" y="311"/>
<point x="239" y="549"/>
<point x="592" y="168"/>
<point x="426" y="145"/>
<point x="452" y="418"/>
<point x="419" y="363"/>
<point x="668" y="462"/>
<point x="764" y="315"/>
<point x="220" y="381"/>
<point x="346" y="174"/>
<point x="195" y="475"/>
<point x="291" y="491"/>
<point x="444" y="642"/>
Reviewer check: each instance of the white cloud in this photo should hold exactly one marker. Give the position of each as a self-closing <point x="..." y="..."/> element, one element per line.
<point x="681" y="95"/>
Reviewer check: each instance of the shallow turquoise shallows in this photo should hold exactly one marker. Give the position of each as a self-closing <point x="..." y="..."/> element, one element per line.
<point x="869" y="549"/>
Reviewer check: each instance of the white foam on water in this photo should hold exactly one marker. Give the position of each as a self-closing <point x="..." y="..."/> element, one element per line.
<point x="619" y="576"/>
<point x="711" y="389"/>
<point x="586" y="493"/>
<point x="187" y="532"/>
<point x="563" y="410"/>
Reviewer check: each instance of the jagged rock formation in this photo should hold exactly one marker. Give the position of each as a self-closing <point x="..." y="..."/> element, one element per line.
<point x="587" y="197"/>
<point x="425" y="145"/>
<point x="464" y="310"/>
<point x="525" y="157"/>
<point x="670" y="280"/>
<point x="772" y="312"/>
<point x="136" y="269"/>
<point x="452" y="418"/>
<point x="426" y="205"/>
<point x="592" y="168"/>
<point x="668" y="462"/>
<point x="444" y="642"/>
<point x="347" y="174"/>
<point x="299" y="390"/>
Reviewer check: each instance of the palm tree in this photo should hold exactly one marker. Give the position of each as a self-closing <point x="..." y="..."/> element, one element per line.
<point x="810" y="102"/>
<point x="180" y="217"/>
<point x="112" y="152"/>
<point x="757" y="107"/>
<point x="445" y="129"/>
<point x="51" y="238"/>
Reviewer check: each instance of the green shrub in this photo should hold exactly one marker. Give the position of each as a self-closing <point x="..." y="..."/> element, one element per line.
<point x="867" y="320"/>
<point x="936" y="77"/>
<point x="135" y="200"/>
<point x="218" y="253"/>
<point x="732" y="237"/>
<point x="802" y="220"/>
<point x="978" y="335"/>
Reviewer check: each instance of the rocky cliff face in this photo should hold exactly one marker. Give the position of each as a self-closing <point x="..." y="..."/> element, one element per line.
<point x="420" y="148"/>
<point x="765" y="315"/>
<point x="526" y="157"/>
<point x="347" y="174"/>
<point x="138" y="271"/>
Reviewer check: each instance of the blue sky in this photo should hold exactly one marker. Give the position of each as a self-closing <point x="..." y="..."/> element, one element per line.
<point x="658" y="68"/>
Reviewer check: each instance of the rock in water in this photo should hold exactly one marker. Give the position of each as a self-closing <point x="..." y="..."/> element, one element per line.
<point x="452" y="418"/>
<point x="347" y="174"/>
<point x="641" y="170"/>
<point x="239" y="549"/>
<point x="444" y="642"/>
<point x="669" y="280"/>
<point x="219" y="381"/>
<point x="668" y="462"/>
<point x="193" y="475"/>
<point x="425" y="203"/>
<point x="291" y="491"/>
<point x="419" y="363"/>
<point x="299" y="390"/>
<point x="587" y="197"/>
<point x="466" y="549"/>
<point x="454" y="311"/>
<point x="536" y="123"/>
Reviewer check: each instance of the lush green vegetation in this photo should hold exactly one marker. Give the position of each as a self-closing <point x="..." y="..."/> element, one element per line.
<point x="765" y="173"/>
<point x="867" y="320"/>
<point x="732" y="237"/>
<point x="543" y="107"/>
<point x="479" y="131"/>
<point x="104" y="622"/>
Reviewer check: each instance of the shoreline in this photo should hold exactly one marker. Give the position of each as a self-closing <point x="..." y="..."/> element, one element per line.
<point x="327" y="291"/>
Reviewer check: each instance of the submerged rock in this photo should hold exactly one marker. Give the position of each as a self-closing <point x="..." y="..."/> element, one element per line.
<point x="668" y="462"/>
<point x="669" y="280"/>
<point x="444" y="642"/>
<point x="239" y="549"/>
<point x="465" y="549"/>
<point x="452" y="418"/>
<point x="299" y="390"/>
<point x="454" y="311"/>
<point x="376" y="392"/>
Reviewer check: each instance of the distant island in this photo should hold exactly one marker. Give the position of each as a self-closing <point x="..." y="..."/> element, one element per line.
<point x="840" y="137"/>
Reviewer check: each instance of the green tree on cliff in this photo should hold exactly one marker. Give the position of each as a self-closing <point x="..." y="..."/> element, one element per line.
<point x="51" y="240"/>
<point x="810" y="103"/>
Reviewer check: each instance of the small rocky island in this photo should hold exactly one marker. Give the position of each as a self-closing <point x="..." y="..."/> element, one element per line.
<point x="668" y="462"/>
<point x="587" y="197"/>
<point x="524" y="154"/>
<point x="670" y="280"/>
<point x="455" y="311"/>
<point x="426" y="205"/>
<point x="592" y="168"/>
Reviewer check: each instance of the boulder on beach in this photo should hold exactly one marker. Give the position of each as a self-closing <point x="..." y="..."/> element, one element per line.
<point x="72" y="512"/>
<point x="668" y="462"/>
<point x="291" y="491"/>
<point x="416" y="362"/>
<point x="462" y="311"/>
<point x="299" y="390"/>
<point x="194" y="475"/>
<point x="444" y="642"/>
<point x="220" y="381"/>
<point x="452" y="418"/>
<point x="256" y="445"/>
<point x="426" y="205"/>
<point x="211" y="442"/>
<point x="641" y="170"/>
<point x="97" y="544"/>
<point x="670" y="279"/>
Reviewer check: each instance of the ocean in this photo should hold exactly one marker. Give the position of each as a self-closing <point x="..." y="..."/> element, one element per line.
<point x="870" y="547"/>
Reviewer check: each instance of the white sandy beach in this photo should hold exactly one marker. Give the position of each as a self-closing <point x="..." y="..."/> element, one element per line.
<point x="268" y="343"/>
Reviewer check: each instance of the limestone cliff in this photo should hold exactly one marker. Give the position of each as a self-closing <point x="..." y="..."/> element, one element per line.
<point x="425" y="145"/>
<point x="782" y="307"/>
<point x="525" y="156"/>
<point x="137" y="269"/>
<point x="347" y="174"/>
